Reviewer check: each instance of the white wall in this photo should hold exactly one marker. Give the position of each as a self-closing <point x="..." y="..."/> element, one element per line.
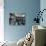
<point x="43" y="6"/>
<point x="1" y="21"/>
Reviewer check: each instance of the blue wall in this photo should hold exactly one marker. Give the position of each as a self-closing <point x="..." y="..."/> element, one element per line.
<point x="30" y="7"/>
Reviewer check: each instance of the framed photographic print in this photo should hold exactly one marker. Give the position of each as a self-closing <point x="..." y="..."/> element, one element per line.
<point x="17" y="20"/>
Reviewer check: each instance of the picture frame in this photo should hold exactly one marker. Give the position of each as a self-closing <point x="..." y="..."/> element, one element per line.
<point x="17" y="20"/>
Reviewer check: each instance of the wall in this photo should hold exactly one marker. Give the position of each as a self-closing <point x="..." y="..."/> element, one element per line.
<point x="30" y="7"/>
<point x="1" y="21"/>
<point x="43" y="6"/>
